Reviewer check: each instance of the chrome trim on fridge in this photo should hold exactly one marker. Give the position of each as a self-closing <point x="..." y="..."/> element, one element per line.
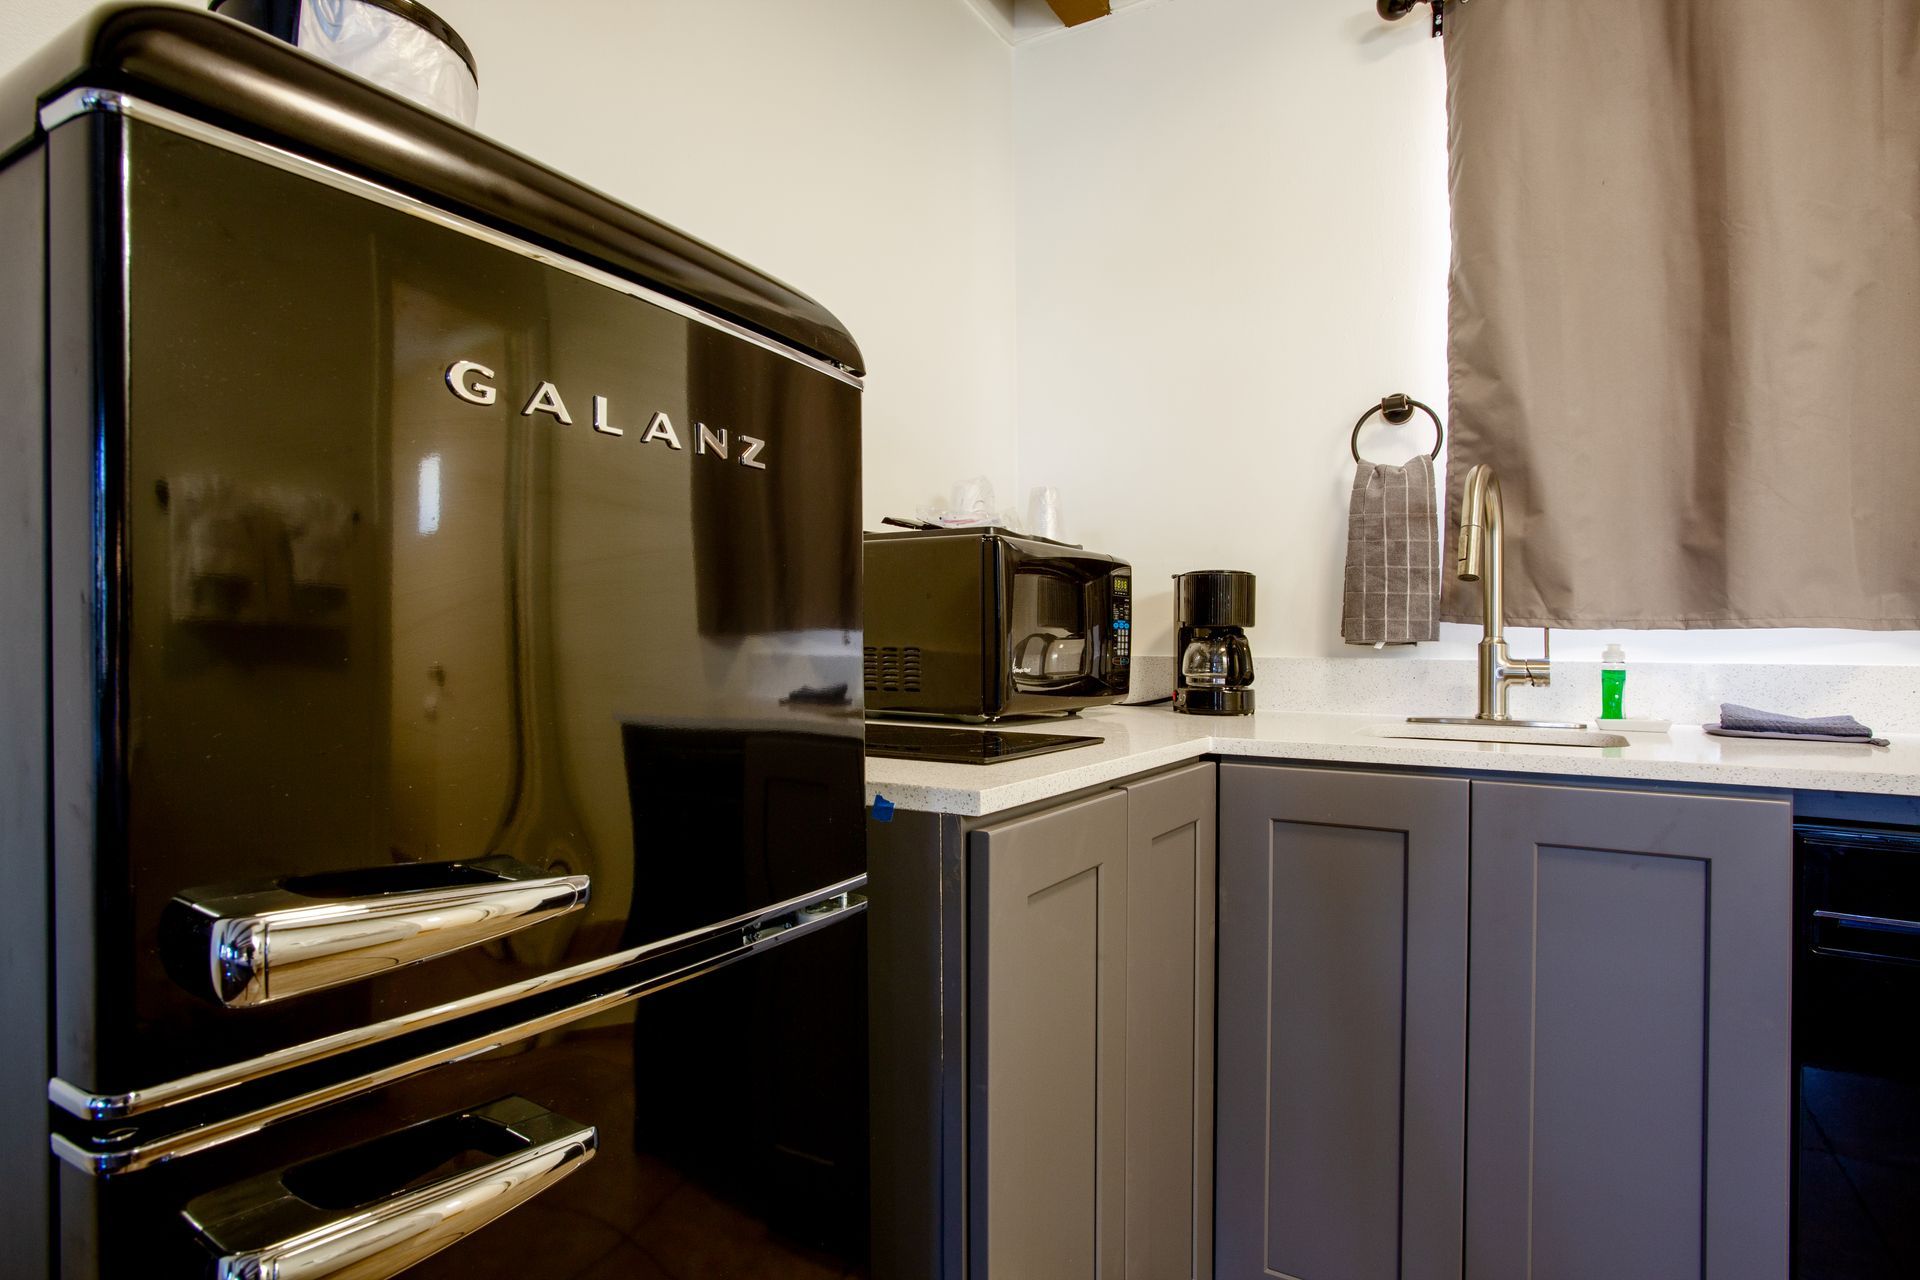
<point x="769" y="931"/>
<point x="79" y="101"/>
<point x="116" y="1106"/>
<point x="76" y="102"/>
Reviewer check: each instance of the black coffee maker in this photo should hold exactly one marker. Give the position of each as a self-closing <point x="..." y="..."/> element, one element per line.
<point x="1213" y="609"/>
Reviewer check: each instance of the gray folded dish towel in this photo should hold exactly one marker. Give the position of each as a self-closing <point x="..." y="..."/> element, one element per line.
<point x="1391" y="594"/>
<point x="1737" y="721"/>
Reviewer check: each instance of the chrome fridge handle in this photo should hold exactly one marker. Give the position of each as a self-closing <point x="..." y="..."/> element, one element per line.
<point x="243" y="945"/>
<point x="265" y="1230"/>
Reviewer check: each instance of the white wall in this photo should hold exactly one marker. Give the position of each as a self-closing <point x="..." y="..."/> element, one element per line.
<point x="1228" y="220"/>
<point x="1232" y="237"/>
<point x="860" y="150"/>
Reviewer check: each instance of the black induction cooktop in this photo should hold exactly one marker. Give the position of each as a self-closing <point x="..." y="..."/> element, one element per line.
<point x="965" y="746"/>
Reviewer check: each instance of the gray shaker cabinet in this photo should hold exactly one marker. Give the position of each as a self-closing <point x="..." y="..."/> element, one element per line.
<point x="1047" y="1044"/>
<point x="1630" y="1094"/>
<point x="1169" y="1059"/>
<point x="1342" y="1024"/>
<point x="1618" y="1097"/>
<point x="1090" y="1036"/>
<point x="1616" y="1103"/>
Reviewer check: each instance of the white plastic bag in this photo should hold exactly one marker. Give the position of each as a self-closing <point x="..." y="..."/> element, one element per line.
<point x="391" y="51"/>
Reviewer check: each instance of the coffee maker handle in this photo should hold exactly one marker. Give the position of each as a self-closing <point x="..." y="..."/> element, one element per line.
<point x="1239" y="662"/>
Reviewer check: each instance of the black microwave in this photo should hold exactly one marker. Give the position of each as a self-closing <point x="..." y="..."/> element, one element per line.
<point x="983" y="623"/>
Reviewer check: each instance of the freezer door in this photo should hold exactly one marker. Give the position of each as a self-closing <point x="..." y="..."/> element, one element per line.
<point x="433" y="614"/>
<point x="716" y="1128"/>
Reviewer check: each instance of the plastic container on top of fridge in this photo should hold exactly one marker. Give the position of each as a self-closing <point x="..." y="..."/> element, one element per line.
<point x="403" y="47"/>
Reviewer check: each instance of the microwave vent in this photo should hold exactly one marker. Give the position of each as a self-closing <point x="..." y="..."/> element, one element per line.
<point x="893" y="669"/>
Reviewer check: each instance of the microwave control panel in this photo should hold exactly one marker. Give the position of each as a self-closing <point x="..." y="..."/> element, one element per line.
<point x="1122" y="618"/>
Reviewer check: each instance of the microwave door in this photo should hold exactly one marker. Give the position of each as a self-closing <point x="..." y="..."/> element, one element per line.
<point x="1053" y="622"/>
<point x="1042" y="609"/>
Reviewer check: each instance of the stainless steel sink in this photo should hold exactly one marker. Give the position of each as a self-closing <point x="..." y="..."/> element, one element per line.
<point x="1504" y="733"/>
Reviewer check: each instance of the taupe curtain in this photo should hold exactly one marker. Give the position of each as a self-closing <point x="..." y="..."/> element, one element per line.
<point x="1685" y="307"/>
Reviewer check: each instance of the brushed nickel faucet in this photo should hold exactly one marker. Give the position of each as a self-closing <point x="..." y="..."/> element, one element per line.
<point x="1481" y="553"/>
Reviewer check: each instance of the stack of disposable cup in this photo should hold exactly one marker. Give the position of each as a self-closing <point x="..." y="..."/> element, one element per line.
<point x="1043" y="512"/>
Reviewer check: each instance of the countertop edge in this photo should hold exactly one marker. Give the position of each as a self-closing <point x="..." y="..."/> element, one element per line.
<point x="978" y="802"/>
<point x="961" y="798"/>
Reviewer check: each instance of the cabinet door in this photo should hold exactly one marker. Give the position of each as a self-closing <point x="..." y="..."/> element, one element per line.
<point x="1047" y="1044"/>
<point x="1630" y="1096"/>
<point x="1169" y="1080"/>
<point x="1342" y="1024"/>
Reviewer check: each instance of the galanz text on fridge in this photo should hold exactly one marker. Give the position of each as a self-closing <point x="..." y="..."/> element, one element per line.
<point x="473" y="383"/>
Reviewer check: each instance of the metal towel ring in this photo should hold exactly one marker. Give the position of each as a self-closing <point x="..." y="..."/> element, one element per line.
<point x="1394" y="10"/>
<point x="1397" y="408"/>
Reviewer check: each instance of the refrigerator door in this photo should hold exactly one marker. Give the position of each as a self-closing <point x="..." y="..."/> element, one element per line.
<point x="717" y="1128"/>
<point x="433" y="614"/>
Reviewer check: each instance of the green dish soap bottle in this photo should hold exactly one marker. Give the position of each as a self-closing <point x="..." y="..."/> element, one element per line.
<point x="1613" y="682"/>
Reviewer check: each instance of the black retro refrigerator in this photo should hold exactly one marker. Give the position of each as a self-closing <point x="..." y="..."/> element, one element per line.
<point x="430" y="792"/>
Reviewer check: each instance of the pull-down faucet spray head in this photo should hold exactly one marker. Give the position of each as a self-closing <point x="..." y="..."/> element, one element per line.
<point x="1482" y="533"/>
<point x="1482" y="530"/>
<point x="1480" y="507"/>
<point x="1472" y="540"/>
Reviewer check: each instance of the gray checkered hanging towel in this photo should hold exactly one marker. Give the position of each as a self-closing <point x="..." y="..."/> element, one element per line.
<point x="1392" y="589"/>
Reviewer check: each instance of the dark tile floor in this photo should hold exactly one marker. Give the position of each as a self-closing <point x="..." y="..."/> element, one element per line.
<point x="1859" y="1178"/>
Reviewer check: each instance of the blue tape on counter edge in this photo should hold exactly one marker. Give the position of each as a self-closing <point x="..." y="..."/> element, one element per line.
<point x="882" y="809"/>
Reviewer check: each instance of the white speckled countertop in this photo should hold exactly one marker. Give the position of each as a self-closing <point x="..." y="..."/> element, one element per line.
<point x="1139" y="739"/>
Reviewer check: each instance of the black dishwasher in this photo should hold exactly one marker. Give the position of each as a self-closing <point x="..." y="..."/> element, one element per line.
<point x="1857" y="1053"/>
